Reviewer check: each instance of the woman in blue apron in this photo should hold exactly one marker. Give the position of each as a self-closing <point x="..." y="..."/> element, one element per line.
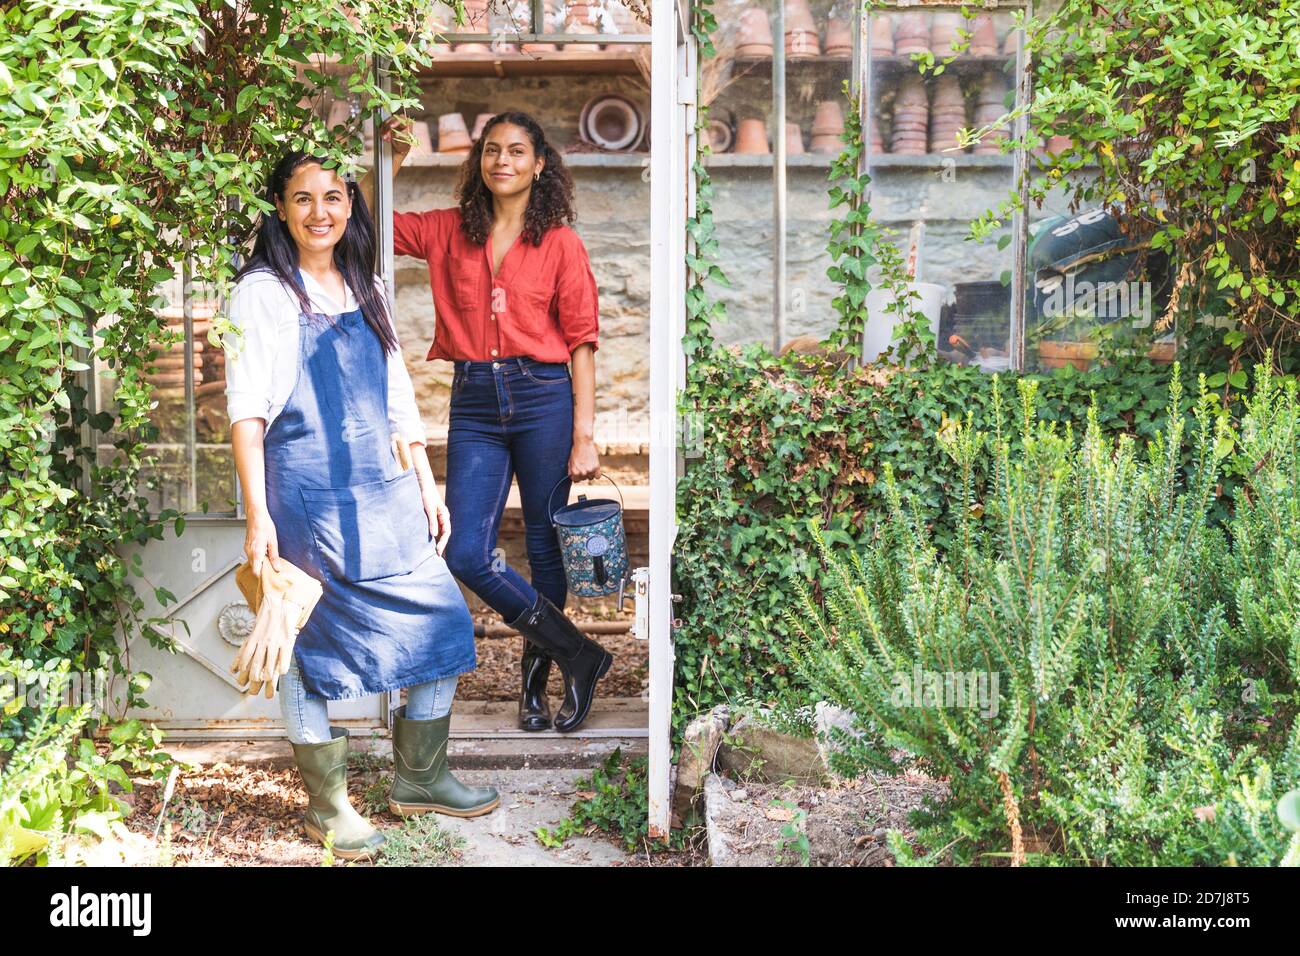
<point x="316" y="391"/>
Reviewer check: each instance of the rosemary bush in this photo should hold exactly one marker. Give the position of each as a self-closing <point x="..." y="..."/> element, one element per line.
<point x="1101" y="674"/>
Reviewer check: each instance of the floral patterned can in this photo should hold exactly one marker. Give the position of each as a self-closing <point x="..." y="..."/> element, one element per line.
<point x="594" y="545"/>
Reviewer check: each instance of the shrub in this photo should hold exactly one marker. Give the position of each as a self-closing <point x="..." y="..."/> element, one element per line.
<point x="1104" y="624"/>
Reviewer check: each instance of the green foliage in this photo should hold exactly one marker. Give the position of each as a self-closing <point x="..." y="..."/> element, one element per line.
<point x="1113" y="626"/>
<point x="619" y="805"/>
<point x="46" y="795"/>
<point x="1182" y="115"/>
<point x="134" y="134"/>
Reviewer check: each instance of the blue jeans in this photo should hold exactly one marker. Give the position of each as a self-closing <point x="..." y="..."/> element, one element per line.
<point x="307" y="721"/>
<point x="511" y="417"/>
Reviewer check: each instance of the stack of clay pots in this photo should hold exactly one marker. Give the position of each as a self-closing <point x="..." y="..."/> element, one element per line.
<point x="209" y="364"/>
<point x="873" y="135"/>
<point x="988" y="107"/>
<point x="476" y="21"/>
<point x="721" y="135"/>
<point x="479" y="122"/>
<point x="751" y="136"/>
<point x="800" y="31"/>
<point x="754" y="38"/>
<point x="827" y="127"/>
<point x="453" y="137"/>
<point x="422" y="151"/>
<point x="947" y="113"/>
<point x="839" y="38"/>
<point x="912" y="35"/>
<point x="581" y="18"/>
<point x="882" y="35"/>
<point x="944" y="35"/>
<point x="911" y="118"/>
<point x="549" y="20"/>
<point x="984" y="37"/>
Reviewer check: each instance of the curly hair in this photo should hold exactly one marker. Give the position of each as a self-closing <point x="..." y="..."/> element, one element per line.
<point x="549" y="204"/>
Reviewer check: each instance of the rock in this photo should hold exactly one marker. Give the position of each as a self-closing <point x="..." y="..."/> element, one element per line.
<point x="740" y="793"/>
<point x="715" y="802"/>
<point x="827" y="719"/>
<point x="699" y="748"/>
<point x="754" y="751"/>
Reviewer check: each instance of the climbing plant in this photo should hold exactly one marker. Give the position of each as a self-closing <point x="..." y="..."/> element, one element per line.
<point x="134" y="134"/>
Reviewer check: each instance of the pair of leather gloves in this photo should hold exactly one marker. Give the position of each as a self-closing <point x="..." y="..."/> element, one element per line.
<point x="282" y="601"/>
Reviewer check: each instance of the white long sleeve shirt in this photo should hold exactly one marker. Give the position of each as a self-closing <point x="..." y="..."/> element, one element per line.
<point x="262" y="365"/>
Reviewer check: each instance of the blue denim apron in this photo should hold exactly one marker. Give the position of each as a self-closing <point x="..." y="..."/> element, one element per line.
<point x="391" y="614"/>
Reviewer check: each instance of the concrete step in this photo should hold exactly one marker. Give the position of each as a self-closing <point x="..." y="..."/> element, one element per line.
<point x="483" y="735"/>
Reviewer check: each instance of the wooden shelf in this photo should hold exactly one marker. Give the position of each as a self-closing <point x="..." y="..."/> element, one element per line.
<point x="559" y="63"/>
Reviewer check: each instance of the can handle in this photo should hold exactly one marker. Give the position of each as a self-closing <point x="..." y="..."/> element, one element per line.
<point x="551" y="497"/>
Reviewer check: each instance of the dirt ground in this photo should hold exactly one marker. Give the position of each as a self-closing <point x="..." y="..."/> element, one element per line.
<point x="845" y="824"/>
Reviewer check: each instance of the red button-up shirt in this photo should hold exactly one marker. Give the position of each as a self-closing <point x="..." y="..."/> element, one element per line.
<point x="541" y="303"/>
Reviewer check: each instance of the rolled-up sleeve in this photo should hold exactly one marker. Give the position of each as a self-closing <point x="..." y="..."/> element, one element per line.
<point x="413" y="233"/>
<point x="250" y="355"/>
<point x="579" y="305"/>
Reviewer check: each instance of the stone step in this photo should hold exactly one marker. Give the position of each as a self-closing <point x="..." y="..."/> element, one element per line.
<point x="483" y="735"/>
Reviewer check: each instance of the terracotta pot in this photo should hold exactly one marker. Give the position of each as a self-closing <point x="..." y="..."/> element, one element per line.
<point x="829" y="119"/>
<point x="802" y="43"/>
<point x="754" y="38"/>
<point x="882" y="36"/>
<point x="1010" y="43"/>
<point x="751" y="136"/>
<point x="830" y="143"/>
<point x="793" y="140"/>
<point x="611" y="122"/>
<point x="1061" y="354"/>
<point x="912" y="34"/>
<point x="984" y="36"/>
<point x="721" y="136"/>
<point x="1057" y="145"/>
<point x="423" y="148"/>
<point x="476" y="17"/>
<point x="546" y="26"/>
<point x="943" y="33"/>
<point x="1162" y="352"/>
<point x="839" y="38"/>
<point x="479" y="122"/>
<point x="578" y="18"/>
<point x="798" y="18"/>
<point x="340" y="114"/>
<point x="452" y="134"/>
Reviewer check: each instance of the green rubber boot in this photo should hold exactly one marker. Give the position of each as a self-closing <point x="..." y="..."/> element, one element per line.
<point x="324" y="770"/>
<point x="421" y="778"/>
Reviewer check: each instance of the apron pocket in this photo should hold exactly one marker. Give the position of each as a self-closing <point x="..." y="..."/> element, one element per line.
<point x="370" y="531"/>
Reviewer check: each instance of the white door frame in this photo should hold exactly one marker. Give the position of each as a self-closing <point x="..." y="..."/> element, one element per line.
<point x="672" y="89"/>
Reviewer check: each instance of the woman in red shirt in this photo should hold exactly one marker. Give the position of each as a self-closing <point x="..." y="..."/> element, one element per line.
<point x="515" y="303"/>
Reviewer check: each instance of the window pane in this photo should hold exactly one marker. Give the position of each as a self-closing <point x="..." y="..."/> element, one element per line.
<point x="926" y="189"/>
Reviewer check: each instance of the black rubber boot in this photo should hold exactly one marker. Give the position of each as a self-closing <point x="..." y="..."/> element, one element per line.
<point x="534" y="708"/>
<point x="582" y="661"/>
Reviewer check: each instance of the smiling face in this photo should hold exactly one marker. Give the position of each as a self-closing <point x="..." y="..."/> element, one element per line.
<point x="315" y="207"/>
<point x="509" y="161"/>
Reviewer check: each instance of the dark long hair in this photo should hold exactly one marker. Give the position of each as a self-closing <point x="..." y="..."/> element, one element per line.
<point x="275" y="251"/>
<point x="549" y="204"/>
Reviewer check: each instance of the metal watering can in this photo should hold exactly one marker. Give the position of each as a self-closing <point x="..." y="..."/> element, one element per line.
<point x="592" y="541"/>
